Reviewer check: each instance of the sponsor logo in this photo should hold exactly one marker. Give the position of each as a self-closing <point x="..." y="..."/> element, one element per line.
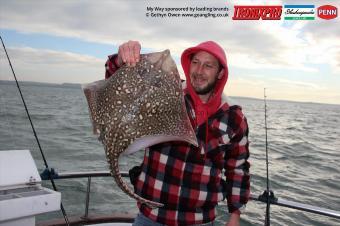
<point x="299" y="12"/>
<point x="257" y="12"/>
<point x="327" y="12"/>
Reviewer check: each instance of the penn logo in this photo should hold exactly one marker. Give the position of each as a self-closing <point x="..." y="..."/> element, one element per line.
<point x="327" y="12"/>
<point x="257" y="12"/>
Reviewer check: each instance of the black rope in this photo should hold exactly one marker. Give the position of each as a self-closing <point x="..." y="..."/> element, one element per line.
<point x="267" y="219"/>
<point x="35" y="134"/>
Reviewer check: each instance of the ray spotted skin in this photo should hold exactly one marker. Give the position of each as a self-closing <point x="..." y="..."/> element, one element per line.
<point x="138" y="107"/>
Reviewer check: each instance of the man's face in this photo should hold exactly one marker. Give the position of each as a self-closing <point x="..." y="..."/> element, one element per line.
<point x="204" y="72"/>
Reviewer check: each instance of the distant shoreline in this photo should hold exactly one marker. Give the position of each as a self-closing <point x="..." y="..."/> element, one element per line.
<point x="78" y="86"/>
<point x="64" y="85"/>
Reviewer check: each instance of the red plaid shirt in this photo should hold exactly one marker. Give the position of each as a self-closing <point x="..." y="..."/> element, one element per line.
<point x="188" y="180"/>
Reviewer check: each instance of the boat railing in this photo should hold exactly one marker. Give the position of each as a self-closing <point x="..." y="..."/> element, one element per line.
<point x="260" y="198"/>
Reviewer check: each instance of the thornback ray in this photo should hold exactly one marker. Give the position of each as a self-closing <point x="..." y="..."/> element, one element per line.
<point x="138" y="107"/>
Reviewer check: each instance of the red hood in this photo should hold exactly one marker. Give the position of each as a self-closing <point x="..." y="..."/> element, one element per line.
<point x="204" y="110"/>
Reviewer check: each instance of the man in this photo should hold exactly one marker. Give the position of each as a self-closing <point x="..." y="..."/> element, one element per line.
<point x="186" y="179"/>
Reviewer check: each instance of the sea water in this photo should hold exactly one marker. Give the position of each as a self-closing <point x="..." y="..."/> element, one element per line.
<point x="303" y="145"/>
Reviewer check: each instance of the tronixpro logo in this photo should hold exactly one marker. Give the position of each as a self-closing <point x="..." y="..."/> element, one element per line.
<point x="257" y="12"/>
<point x="327" y="12"/>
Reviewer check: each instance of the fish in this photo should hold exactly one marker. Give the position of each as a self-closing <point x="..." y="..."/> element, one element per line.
<point x="138" y="107"/>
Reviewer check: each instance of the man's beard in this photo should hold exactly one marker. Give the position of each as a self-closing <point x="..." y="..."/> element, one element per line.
<point x="207" y="89"/>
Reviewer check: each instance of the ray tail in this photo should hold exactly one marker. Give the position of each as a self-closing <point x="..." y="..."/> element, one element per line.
<point x="118" y="178"/>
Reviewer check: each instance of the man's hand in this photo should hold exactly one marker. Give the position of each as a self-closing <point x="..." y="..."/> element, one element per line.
<point x="234" y="220"/>
<point x="129" y="53"/>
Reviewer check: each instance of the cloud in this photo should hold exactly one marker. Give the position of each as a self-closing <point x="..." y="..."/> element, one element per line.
<point x="282" y="89"/>
<point x="265" y="44"/>
<point x="51" y="66"/>
<point x="281" y="47"/>
<point x="297" y="84"/>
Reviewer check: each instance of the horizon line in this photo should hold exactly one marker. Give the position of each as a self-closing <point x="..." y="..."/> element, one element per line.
<point x="247" y="97"/>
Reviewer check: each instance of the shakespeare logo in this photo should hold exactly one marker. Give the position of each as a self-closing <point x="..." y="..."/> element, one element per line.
<point x="327" y="12"/>
<point x="257" y="12"/>
<point x="299" y="12"/>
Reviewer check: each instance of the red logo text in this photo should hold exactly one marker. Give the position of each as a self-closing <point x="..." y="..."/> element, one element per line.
<point x="257" y="12"/>
<point x="327" y="12"/>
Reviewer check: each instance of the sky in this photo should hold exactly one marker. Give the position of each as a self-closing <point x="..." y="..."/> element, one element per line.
<point x="68" y="41"/>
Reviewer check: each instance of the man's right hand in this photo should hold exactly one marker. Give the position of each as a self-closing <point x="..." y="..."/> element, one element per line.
<point x="129" y="53"/>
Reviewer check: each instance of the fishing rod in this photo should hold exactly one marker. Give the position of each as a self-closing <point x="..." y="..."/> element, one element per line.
<point x="34" y="132"/>
<point x="267" y="192"/>
<point x="268" y="196"/>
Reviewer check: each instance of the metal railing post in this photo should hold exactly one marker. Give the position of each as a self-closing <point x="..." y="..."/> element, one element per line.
<point x="87" y="202"/>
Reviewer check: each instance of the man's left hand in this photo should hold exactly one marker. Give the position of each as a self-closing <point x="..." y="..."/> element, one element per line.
<point x="234" y="220"/>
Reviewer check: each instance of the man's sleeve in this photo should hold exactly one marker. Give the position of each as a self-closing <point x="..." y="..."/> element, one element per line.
<point x="111" y="66"/>
<point x="237" y="165"/>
